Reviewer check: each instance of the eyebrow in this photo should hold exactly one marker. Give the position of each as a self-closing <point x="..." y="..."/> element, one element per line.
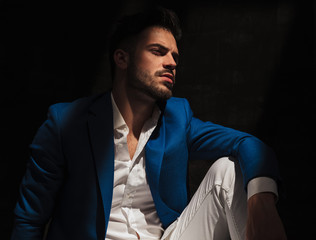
<point x="174" y="54"/>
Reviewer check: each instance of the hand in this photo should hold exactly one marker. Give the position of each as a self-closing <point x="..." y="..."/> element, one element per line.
<point x="263" y="221"/>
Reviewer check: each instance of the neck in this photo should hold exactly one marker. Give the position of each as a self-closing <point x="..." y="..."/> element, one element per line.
<point x="136" y="108"/>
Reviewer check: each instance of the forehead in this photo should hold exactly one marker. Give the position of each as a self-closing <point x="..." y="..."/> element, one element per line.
<point x="158" y="35"/>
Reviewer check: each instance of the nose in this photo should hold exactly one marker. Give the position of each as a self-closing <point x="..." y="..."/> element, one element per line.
<point x="169" y="62"/>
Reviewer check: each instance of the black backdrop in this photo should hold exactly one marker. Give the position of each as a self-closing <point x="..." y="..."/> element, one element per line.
<point x="244" y="64"/>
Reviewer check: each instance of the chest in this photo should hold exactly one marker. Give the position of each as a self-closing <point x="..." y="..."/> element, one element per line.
<point x="132" y="143"/>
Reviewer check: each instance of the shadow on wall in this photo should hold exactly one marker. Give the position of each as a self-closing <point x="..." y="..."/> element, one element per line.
<point x="288" y="122"/>
<point x="255" y="72"/>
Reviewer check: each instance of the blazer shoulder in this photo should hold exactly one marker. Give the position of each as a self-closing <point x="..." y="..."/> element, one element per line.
<point x="179" y="107"/>
<point x="178" y="102"/>
<point x="73" y="111"/>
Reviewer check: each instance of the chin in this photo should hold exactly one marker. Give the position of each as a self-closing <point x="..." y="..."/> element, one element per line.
<point x="158" y="92"/>
<point x="164" y="95"/>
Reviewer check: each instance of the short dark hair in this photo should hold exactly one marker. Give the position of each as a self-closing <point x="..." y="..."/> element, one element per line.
<point x="131" y="25"/>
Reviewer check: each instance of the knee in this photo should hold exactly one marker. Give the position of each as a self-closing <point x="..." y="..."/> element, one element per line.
<point x="222" y="173"/>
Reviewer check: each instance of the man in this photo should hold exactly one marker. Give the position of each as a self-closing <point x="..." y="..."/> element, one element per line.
<point x="114" y="166"/>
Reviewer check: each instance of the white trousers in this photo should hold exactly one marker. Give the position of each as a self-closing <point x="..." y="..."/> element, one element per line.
<point x="218" y="209"/>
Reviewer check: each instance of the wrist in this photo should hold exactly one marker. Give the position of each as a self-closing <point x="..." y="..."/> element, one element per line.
<point x="266" y="197"/>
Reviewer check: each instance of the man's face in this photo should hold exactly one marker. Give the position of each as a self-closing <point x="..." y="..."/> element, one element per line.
<point x="152" y="68"/>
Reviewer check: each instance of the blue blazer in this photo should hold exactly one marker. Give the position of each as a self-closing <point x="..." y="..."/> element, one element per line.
<point x="69" y="178"/>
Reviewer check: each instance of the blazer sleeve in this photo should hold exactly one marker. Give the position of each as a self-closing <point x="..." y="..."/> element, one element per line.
<point x="41" y="182"/>
<point x="207" y="140"/>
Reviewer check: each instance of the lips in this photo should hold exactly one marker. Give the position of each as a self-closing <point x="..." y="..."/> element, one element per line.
<point x="169" y="77"/>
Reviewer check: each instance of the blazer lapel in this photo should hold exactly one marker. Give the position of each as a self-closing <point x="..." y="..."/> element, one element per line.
<point x="154" y="154"/>
<point x="100" y="124"/>
<point x="155" y="150"/>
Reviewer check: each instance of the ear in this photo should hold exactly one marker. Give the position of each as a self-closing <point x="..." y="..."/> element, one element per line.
<point x="121" y="58"/>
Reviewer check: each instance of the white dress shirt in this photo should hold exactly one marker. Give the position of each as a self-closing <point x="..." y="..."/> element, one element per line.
<point x="133" y="213"/>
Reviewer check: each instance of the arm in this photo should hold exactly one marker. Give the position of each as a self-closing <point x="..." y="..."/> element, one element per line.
<point x="40" y="184"/>
<point x="263" y="220"/>
<point x="258" y="164"/>
<point x="207" y="140"/>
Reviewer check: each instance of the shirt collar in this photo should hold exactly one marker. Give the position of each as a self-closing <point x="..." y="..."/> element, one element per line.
<point x="118" y="120"/>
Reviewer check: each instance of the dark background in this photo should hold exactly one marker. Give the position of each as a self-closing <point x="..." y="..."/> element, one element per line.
<point x="249" y="65"/>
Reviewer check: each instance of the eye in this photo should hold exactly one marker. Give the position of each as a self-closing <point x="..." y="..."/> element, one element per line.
<point x="157" y="52"/>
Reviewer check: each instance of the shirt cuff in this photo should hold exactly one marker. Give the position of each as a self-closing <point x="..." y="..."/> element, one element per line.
<point x="262" y="184"/>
